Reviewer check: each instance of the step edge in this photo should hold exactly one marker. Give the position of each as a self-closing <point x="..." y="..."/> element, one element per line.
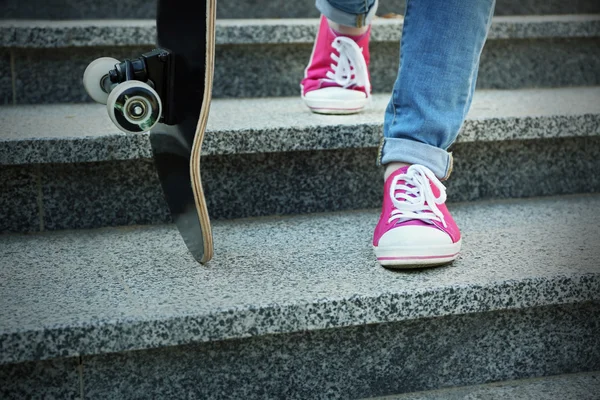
<point x="448" y="392"/>
<point x="570" y="291"/>
<point x="115" y="147"/>
<point x="41" y="34"/>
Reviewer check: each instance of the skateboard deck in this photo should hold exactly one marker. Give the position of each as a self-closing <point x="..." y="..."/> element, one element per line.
<point x="167" y="92"/>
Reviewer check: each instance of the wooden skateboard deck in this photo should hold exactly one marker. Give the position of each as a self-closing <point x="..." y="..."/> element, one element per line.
<point x="191" y="37"/>
<point x="168" y="92"/>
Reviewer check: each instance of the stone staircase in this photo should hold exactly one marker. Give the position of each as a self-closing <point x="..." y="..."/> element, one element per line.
<point x="100" y="299"/>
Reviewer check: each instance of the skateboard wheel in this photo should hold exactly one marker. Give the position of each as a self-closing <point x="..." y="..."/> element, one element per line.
<point x="94" y="76"/>
<point x="133" y="106"/>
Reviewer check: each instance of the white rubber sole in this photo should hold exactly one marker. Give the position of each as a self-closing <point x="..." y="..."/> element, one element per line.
<point x="416" y="256"/>
<point x="336" y="107"/>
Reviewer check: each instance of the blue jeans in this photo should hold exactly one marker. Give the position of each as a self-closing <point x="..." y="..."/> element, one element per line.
<point x="439" y="60"/>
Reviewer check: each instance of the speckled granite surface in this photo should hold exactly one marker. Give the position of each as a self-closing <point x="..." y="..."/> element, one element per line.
<point x="19" y="206"/>
<point x="540" y="63"/>
<point x="355" y="362"/>
<point x="524" y="169"/>
<point x="94" y="194"/>
<point x="48" y="76"/>
<point x="72" y="9"/>
<point x="58" y="379"/>
<point x="6" y="90"/>
<point x="379" y="359"/>
<point x="84" y="133"/>
<point x="519" y="63"/>
<point x="522" y="52"/>
<point x="582" y="386"/>
<point x="247" y="185"/>
<point x="109" y="290"/>
<point x="49" y="34"/>
<point x="306" y="182"/>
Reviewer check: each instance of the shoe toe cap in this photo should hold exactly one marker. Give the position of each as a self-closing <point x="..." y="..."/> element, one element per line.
<point x="335" y="93"/>
<point x="415" y="235"/>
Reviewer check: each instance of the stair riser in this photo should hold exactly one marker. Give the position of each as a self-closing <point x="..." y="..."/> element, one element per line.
<point x="358" y="362"/>
<point x="71" y="9"/>
<point x="90" y="195"/>
<point x="54" y="75"/>
<point x="578" y="386"/>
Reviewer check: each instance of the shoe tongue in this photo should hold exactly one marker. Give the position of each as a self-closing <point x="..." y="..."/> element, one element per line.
<point x="401" y="170"/>
<point x="403" y="221"/>
<point x="404" y="191"/>
<point x="356" y="38"/>
<point x="402" y="182"/>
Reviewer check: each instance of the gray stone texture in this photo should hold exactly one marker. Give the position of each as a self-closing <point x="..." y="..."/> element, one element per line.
<point x="357" y="362"/>
<point x="58" y="379"/>
<point x="77" y="196"/>
<point x="6" y="88"/>
<point x="248" y="185"/>
<point x="112" y="33"/>
<point x="49" y="76"/>
<point x="65" y="133"/>
<point x="306" y="182"/>
<point x="84" y="133"/>
<point x="540" y="63"/>
<point x="531" y="27"/>
<point x="71" y="9"/>
<point x="19" y="195"/>
<point x="581" y="386"/>
<point x="46" y="34"/>
<point x="54" y="75"/>
<point x="524" y="169"/>
<point x="541" y="52"/>
<point x="504" y="65"/>
<point x="89" y="292"/>
<point x="362" y="361"/>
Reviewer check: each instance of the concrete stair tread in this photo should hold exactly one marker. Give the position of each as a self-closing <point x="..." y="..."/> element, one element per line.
<point x="116" y="289"/>
<point x="581" y="386"/>
<point x="83" y="132"/>
<point x="128" y="32"/>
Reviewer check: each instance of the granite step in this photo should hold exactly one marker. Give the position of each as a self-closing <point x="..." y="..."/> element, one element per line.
<point x="72" y="133"/>
<point x="583" y="386"/>
<point x="136" y="9"/>
<point x="43" y="60"/>
<point x="68" y="167"/>
<point x="297" y="307"/>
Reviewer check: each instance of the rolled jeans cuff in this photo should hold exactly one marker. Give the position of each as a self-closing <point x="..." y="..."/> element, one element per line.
<point x="439" y="161"/>
<point x="345" y="18"/>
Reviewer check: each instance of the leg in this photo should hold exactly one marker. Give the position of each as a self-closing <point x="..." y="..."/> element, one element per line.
<point x="441" y="44"/>
<point x="348" y="13"/>
<point x="336" y="80"/>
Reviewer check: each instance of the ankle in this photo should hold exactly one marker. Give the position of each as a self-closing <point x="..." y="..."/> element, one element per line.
<point x="347" y="30"/>
<point x="391" y="167"/>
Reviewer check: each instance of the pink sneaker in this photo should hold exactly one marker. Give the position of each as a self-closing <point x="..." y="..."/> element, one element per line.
<point x="415" y="228"/>
<point x="337" y="79"/>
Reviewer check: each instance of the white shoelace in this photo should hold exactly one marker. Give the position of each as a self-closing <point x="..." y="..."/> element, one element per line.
<point x="350" y="68"/>
<point x="417" y="192"/>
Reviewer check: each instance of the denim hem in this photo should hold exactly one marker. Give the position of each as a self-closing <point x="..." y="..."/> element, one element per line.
<point x="439" y="161"/>
<point x="344" y="18"/>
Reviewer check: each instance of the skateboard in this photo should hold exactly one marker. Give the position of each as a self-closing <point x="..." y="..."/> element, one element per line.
<point x="167" y="92"/>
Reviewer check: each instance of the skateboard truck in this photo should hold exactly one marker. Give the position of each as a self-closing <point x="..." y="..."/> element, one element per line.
<point x="137" y="92"/>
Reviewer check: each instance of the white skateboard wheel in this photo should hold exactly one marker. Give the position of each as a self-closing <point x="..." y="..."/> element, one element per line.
<point x="133" y="106"/>
<point x="94" y="75"/>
